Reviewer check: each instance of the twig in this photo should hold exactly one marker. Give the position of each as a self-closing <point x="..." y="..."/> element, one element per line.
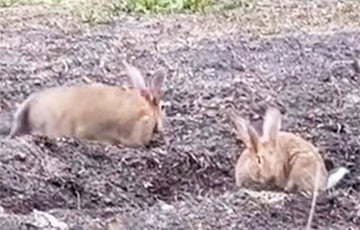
<point x="78" y="200"/>
<point x="313" y="202"/>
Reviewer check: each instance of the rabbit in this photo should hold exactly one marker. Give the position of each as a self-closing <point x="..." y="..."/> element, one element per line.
<point x="109" y="114"/>
<point x="280" y="158"/>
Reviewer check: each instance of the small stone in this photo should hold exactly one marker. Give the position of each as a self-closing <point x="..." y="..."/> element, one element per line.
<point x="107" y="200"/>
<point x="356" y="65"/>
<point x="43" y="219"/>
<point x="167" y="207"/>
<point x="21" y="156"/>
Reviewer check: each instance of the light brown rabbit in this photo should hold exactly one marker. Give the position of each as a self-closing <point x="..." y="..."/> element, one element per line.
<point x="280" y="158"/>
<point x="108" y="114"/>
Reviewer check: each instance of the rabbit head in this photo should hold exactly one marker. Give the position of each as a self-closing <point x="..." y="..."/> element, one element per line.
<point x="261" y="161"/>
<point x="151" y="89"/>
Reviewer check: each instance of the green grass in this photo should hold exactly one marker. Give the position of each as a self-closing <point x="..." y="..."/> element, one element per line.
<point x="8" y="3"/>
<point x="11" y="3"/>
<point x="164" y="6"/>
<point x="174" y="6"/>
<point x="97" y="13"/>
<point x="137" y="6"/>
<point x="102" y="11"/>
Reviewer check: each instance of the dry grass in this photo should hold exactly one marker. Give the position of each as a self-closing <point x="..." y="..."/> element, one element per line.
<point x="266" y="18"/>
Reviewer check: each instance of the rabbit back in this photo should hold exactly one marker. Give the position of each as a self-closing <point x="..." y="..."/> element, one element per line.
<point x="305" y="164"/>
<point x="106" y="113"/>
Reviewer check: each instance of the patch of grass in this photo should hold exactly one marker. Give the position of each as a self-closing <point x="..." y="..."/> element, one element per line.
<point x="101" y="11"/>
<point x="93" y="13"/>
<point x="98" y="11"/>
<point x="232" y="4"/>
<point x="8" y="3"/>
<point x="166" y="6"/>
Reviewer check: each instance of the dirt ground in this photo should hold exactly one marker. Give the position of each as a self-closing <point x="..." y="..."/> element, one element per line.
<point x="187" y="183"/>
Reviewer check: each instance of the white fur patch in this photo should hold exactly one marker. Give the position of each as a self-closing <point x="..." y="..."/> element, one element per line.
<point x="336" y="176"/>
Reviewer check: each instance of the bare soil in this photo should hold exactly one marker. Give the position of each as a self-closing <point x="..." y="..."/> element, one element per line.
<point x="186" y="182"/>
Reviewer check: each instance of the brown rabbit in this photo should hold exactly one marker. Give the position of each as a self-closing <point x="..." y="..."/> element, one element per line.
<point x="280" y="158"/>
<point x="108" y="114"/>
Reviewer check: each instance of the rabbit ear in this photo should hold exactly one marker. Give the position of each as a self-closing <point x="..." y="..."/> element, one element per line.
<point x="244" y="131"/>
<point x="272" y="125"/>
<point x="156" y="83"/>
<point x="135" y="75"/>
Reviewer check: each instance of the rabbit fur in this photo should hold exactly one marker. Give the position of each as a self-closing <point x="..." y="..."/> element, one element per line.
<point x="108" y="114"/>
<point x="280" y="158"/>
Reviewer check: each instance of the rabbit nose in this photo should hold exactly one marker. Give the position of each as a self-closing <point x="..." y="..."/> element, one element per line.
<point x="159" y="129"/>
<point x="160" y="133"/>
<point x="261" y="180"/>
